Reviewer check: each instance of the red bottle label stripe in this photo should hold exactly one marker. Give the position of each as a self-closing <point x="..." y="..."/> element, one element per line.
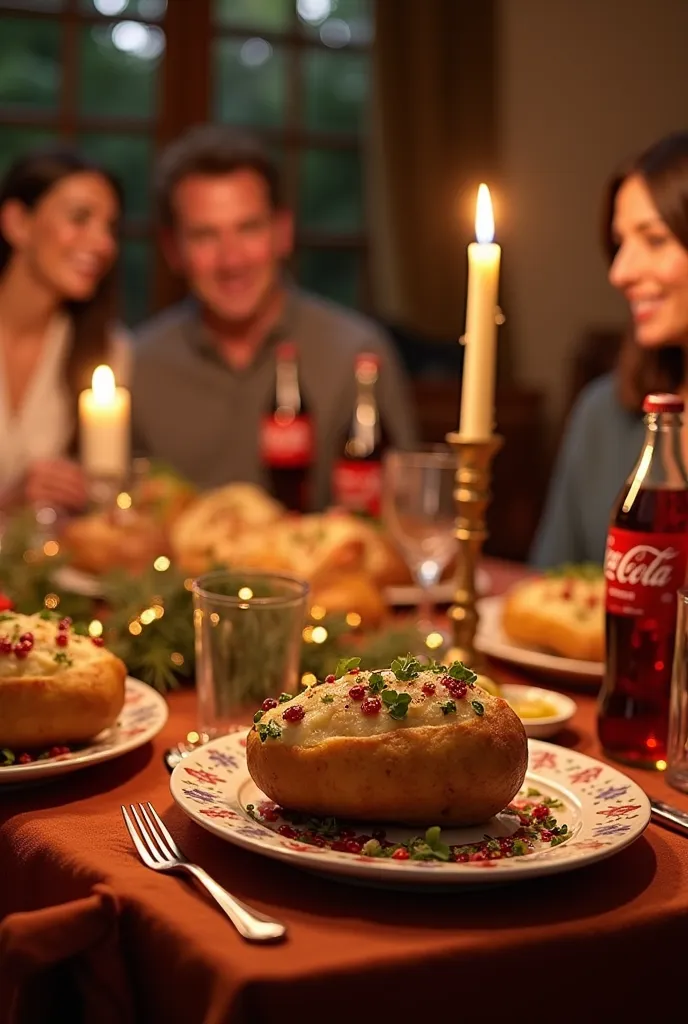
<point x="287" y="445"/>
<point x="643" y="571"/>
<point x="357" y="486"/>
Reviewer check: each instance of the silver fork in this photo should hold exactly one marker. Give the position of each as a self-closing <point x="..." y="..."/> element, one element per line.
<point x="158" y="850"/>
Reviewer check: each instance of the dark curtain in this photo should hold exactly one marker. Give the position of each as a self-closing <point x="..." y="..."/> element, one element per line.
<point x="433" y="139"/>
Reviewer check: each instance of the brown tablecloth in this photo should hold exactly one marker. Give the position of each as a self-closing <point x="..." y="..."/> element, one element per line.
<point x="90" y="927"/>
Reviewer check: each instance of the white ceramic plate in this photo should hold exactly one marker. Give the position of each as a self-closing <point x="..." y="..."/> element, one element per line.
<point x="563" y="708"/>
<point x="603" y="809"/>
<point x="492" y="640"/>
<point x="443" y="593"/>
<point x="74" y="581"/>
<point x="143" y="716"/>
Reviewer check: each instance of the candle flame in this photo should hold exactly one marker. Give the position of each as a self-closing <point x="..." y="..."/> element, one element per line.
<point x="484" y="217"/>
<point x="103" y="384"/>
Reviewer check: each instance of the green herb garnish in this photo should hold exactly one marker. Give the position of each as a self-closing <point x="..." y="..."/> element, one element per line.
<point x="447" y="706"/>
<point x="258" y="715"/>
<point x="327" y="699"/>
<point x="284" y="697"/>
<point x="6" y="757"/>
<point x="397" y="703"/>
<point x="477" y="707"/>
<point x="269" y="730"/>
<point x="406" y="668"/>
<point x="461" y="672"/>
<point x="62" y="659"/>
<point x="345" y="665"/>
<point x="371" y="849"/>
<point x="436" y="667"/>
<point x="376" y="682"/>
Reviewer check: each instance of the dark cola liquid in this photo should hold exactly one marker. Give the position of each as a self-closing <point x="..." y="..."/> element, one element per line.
<point x="290" y="486"/>
<point x="634" y="701"/>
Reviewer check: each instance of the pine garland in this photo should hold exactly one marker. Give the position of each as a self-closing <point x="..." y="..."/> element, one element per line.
<point x="147" y="620"/>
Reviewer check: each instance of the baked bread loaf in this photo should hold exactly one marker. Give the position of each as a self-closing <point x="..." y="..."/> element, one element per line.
<point x="562" y="613"/>
<point x="409" y="744"/>
<point x="122" y="539"/>
<point x="224" y="516"/>
<point x="55" y="687"/>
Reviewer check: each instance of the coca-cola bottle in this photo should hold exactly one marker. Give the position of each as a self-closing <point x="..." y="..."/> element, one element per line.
<point x="357" y="472"/>
<point x="286" y="442"/>
<point x="645" y="564"/>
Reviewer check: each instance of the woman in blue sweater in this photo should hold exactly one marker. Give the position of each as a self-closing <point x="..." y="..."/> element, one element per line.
<point x="646" y="236"/>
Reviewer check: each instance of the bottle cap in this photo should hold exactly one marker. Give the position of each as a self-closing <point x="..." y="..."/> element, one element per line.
<point x="367" y="366"/>
<point x="286" y="350"/>
<point x="663" y="403"/>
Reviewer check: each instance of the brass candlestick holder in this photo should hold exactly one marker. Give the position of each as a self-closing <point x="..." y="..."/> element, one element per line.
<point x="472" y="496"/>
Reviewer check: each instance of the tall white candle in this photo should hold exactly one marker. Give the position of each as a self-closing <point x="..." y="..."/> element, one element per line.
<point x="477" y="390"/>
<point x="104" y="426"/>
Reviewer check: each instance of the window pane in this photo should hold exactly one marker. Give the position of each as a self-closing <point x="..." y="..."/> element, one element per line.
<point x="336" y="90"/>
<point x="337" y="22"/>
<point x="250" y="83"/>
<point x="119" y="65"/>
<point x="29" y="63"/>
<point x="268" y="14"/>
<point x="153" y="10"/>
<point x="333" y="273"/>
<point x="15" y="142"/>
<point x="330" y="194"/>
<point x="129" y="158"/>
<point x="137" y="267"/>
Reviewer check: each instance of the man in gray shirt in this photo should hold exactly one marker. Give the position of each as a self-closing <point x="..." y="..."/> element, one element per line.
<point x="204" y="370"/>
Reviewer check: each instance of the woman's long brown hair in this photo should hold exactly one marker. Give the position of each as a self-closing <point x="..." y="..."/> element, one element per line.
<point x="664" y="170"/>
<point x="27" y="181"/>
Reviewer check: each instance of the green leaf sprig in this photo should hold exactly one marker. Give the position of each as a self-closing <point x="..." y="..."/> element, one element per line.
<point x="345" y="665"/>
<point x="406" y="669"/>
<point x="269" y="730"/>
<point x="462" y="673"/>
<point x="376" y="682"/>
<point x="396" y="703"/>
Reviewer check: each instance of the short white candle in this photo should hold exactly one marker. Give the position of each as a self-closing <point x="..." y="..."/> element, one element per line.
<point x="104" y="426"/>
<point x="480" y="353"/>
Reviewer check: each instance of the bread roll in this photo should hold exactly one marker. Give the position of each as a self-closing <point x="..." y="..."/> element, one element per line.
<point x="563" y="613"/>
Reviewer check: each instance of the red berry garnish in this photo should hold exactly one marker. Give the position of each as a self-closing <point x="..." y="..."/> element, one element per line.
<point x="24" y="759"/>
<point x="353" y="671"/>
<point x="62" y="639"/>
<point x="5" y="645"/>
<point x="357" y="692"/>
<point x="428" y="689"/>
<point x="353" y="846"/>
<point x="457" y="689"/>
<point x="269" y="703"/>
<point x="293" y="714"/>
<point x="21" y="650"/>
<point x="330" y="678"/>
<point x="546" y="835"/>
<point x="26" y="638"/>
<point x="64" y="623"/>
<point x="371" y="706"/>
<point x="400" y="854"/>
<point x="288" y="832"/>
<point x="54" y="751"/>
<point x="97" y="641"/>
<point x="540" y="811"/>
<point x="447" y="680"/>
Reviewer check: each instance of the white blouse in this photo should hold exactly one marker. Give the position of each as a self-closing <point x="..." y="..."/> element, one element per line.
<point x="43" y="425"/>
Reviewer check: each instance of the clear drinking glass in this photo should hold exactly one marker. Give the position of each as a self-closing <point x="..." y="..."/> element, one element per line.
<point x="418" y="511"/>
<point x="248" y="629"/>
<point x="677" y="746"/>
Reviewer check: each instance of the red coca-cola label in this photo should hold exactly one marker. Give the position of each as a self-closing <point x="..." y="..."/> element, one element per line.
<point x="357" y="486"/>
<point x="286" y="444"/>
<point x="643" y="571"/>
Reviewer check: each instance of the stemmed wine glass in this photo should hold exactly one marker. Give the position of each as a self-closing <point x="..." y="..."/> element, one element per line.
<point x="419" y="513"/>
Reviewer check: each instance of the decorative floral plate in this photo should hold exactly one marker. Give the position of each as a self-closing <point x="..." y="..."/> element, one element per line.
<point x="142" y="717"/>
<point x="492" y="640"/>
<point x="598" y="809"/>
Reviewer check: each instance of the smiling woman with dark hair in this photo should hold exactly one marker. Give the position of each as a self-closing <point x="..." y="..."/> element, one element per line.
<point x="646" y="238"/>
<point x="59" y="216"/>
